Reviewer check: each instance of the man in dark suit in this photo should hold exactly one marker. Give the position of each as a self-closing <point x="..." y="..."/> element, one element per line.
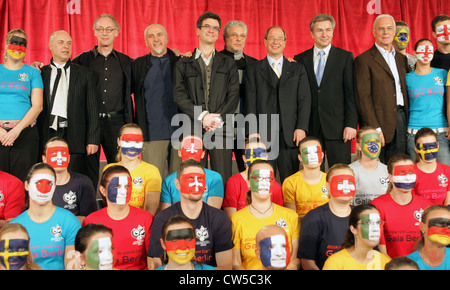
<point x="275" y="87"/>
<point x="380" y="88"/>
<point x="334" y="117"/>
<point x="69" y="104"/>
<point x="206" y="88"/>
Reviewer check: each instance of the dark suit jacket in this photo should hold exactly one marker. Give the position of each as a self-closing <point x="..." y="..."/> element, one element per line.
<point x="288" y="96"/>
<point x="333" y="100"/>
<point x="375" y="90"/>
<point x="82" y="110"/>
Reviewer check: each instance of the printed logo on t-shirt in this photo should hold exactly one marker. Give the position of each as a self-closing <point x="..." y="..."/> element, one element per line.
<point x="384" y="181"/>
<point x="438" y="81"/>
<point x="282" y="223"/>
<point x="56" y="232"/>
<point x="139" y="234"/>
<point x="418" y="216"/>
<point x="23" y="77"/>
<point x="325" y="193"/>
<point x="70" y="198"/>
<point x="138" y="181"/>
<point x="202" y="235"/>
<point x="443" y="180"/>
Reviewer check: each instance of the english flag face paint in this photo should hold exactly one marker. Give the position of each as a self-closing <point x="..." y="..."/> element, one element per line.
<point x="404" y="176"/>
<point x="131" y="144"/>
<point x="14" y="253"/>
<point x="261" y="181"/>
<point x="275" y="252"/>
<point x="58" y="156"/>
<point x="439" y="230"/>
<point x="425" y="53"/>
<point x="427" y="151"/>
<point x="180" y="245"/>
<point x="371" y="145"/>
<point x="193" y="183"/>
<point x="17" y="47"/>
<point x="371" y="226"/>
<point x="41" y="187"/>
<point x="311" y="155"/>
<point x="119" y="190"/>
<point x="443" y="32"/>
<point x="256" y="153"/>
<point x="191" y="148"/>
<point x="100" y="254"/>
<point x="343" y="185"/>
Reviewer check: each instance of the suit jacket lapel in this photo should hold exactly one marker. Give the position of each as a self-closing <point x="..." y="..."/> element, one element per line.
<point x="46" y="73"/>
<point x="73" y="79"/>
<point x="286" y="72"/>
<point x="267" y="73"/>
<point x="330" y="64"/>
<point x="378" y="58"/>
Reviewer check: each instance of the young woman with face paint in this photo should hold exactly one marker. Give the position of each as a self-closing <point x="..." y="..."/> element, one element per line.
<point x="370" y="174"/>
<point x="432" y="251"/>
<point x="130" y="225"/>
<point x="15" y="251"/>
<point x="146" y="177"/>
<point x="52" y="229"/>
<point x="307" y="189"/>
<point x="20" y="105"/>
<point x="237" y="185"/>
<point x="361" y="238"/>
<point x="427" y="100"/>
<point x="260" y="212"/>
<point x="323" y="228"/>
<point x="178" y="241"/>
<point x="432" y="177"/>
<point x="400" y="209"/>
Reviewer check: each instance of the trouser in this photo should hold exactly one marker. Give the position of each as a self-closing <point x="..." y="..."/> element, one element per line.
<point x="158" y="152"/>
<point x="287" y="161"/>
<point x="398" y="143"/>
<point x="337" y="151"/>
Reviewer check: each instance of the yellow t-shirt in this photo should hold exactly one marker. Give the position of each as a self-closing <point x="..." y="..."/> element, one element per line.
<point x="304" y="196"/>
<point x="246" y="226"/>
<point x="145" y="177"/>
<point x="342" y="260"/>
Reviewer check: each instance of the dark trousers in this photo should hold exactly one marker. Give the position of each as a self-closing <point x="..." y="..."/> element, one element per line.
<point x="19" y="158"/>
<point x="398" y="144"/>
<point x="337" y="151"/>
<point x="287" y="161"/>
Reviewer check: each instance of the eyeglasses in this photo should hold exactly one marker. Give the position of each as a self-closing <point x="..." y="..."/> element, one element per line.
<point x="107" y="29"/>
<point x="263" y="178"/>
<point x="272" y="39"/>
<point x="207" y="26"/>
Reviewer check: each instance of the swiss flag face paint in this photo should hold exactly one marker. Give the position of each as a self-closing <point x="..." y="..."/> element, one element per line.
<point x="42" y="187"/>
<point x="425" y="53"/>
<point x="404" y="176"/>
<point x="191" y="149"/>
<point x="312" y="155"/>
<point x="119" y="190"/>
<point x="193" y="183"/>
<point x="443" y="32"/>
<point x="343" y="185"/>
<point x="180" y="245"/>
<point x="14" y="253"/>
<point x="275" y="252"/>
<point x="439" y="230"/>
<point x="131" y="144"/>
<point x="58" y="156"/>
<point x="256" y="153"/>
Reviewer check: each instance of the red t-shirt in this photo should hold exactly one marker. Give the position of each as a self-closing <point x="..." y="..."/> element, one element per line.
<point x="236" y="193"/>
<point x="131" y="236"/>
<point x="433" y="186"/>
<point x="401" y="223"/>
<point x="12" y="196"/>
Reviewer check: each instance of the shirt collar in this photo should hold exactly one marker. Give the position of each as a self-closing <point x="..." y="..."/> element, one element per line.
<point x="271" y="60"/>
<point x="384" y="51"/>
<point x="326" y="49"/>
<point x="96" y="53"/>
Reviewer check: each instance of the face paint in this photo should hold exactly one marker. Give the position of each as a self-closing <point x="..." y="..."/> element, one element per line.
<point x="401" y="38"/>
<point x="311" y="155"/>
<point x="370" y="226"/>
<point x="191" y="149"/>
<point x="404" y="176"/>
<point x="343" y="185"/>
<point x="119" y="190"/>
<point x="425" y="53"/>
<point x="371" y="145"/>
<point x="439" y="230"/>
<point x="17" y="47"/>
<point x="131" y="144"/>
<point x="256" y="153"/>
<point x="427" y="151"/>
<point x="42" y="187"/>
<point x="443" y="33"/>
<point x="275" y="251"/>
<point x="193" y="183"/>
<point x="180" y="245"/>
<point x="100" y="255"/>
<point x="261" y="181"/>
<point x="14" y="253"/>
<point x="58" y="156"/>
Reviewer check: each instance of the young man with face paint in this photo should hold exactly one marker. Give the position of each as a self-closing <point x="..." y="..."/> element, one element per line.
<point x="212" y="226"/>
<point x="273" y="248"/>
<point x="261" y="212"/>
<point x="131" y="226"/>
<point x="307" y="189"/>
<point x="400" y="210"/>
<point x="401" y="40"/>
<point x="237" y="186"/>
<point x="440" y="26"/>
<point x="432" y="177"/>
<point x="146" y="177"/>
<point x="370" y="174"/>
<point x="433" y="252"/>
<point x="51" y="229"/>
<point x="192" y="148"/>
<point x="74" y="191"/>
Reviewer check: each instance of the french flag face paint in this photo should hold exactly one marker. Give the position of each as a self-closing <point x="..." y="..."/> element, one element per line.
<point x="343" y="185"/>
<point x="131" y="144"/>
<point x="443" y="32"/>
<point x="192" y="148"/>
<point x="193" y="183"/>
<point x="275" y="252"/>
<point x="425" y="53"/>
<point x="404" y="176"/>
<point x="58" y="156"/>
<point x="14" y="253"/>
<point x="41" y="187"/>
<point x="119" y="190"/>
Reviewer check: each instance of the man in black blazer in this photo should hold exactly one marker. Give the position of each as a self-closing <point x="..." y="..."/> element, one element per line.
<point x="334" y="116"/>
<point x="69" y="104"/>
<point x="285" y="97"/>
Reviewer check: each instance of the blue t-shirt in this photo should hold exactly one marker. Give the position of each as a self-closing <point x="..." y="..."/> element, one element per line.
<point x="415" y="256"/>
<point x="196" y="267"/>
<point x="15" y="91"/>
<point x="426" y="99"/>
<point x="49" y="239"/>
<point x="214" y="187"/>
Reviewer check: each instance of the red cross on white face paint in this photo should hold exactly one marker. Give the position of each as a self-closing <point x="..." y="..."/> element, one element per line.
<point x="343" y="185"/>
<point x="41" y="187"/>
<point x="443" y="32"/>
<point x="425" y="53"/>
<point x="193" y="183"/>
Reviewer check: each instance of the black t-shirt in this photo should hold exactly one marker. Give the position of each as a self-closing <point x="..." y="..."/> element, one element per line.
<point x="441" y="60"/>
<point x="77" y="195"/>
<point x="212" y="230"/>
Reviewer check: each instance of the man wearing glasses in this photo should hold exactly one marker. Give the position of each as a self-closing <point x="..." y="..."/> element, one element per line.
<point x="209" y="81"/>
<point x="112" y="73"/>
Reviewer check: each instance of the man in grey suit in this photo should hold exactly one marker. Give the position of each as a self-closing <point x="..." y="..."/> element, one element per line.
<point x="334" y="116"/>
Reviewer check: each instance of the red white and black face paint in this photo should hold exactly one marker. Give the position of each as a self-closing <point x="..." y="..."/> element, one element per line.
<point x="192" y="148"/>
<point x="343" y="185"/>
<point x="425" y="53"/>
<point x="192" y="183"/>
<point x="41" y="187"/>
<point x="404" y="176"/>
<point x="443" y="32"/>
<point x="119" y="189"/>
<point x="58" y="156"/>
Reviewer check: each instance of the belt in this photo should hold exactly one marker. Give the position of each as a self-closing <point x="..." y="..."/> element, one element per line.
<point x="9" y="125"/>
<point x="437" y="130"/>
<point x="110" y="114"/>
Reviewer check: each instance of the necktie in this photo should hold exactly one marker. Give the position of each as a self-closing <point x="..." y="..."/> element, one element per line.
<point x="275" y="68"/>
<point x="320" y="67"/>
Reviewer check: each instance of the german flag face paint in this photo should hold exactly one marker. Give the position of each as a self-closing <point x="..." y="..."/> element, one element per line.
<point x="439" y="230"/>
<point x="41" y="187"/>
<point x="275" y="252"/>
<point x="58" y="156"/>
<point x="311" y="155"/>
<point x="404" y="176"/>
<point x="371" y="145"/>
<point x="427" y="151"/>
<point x="119" y="189"/>
<point x="193" y="183"/>
<point x="343" y="185"/>
<point x="192" y="148"/>
<point x="14" y="253"/>
<point x="256" y="153"/>
<point x="100" y="254"/>
<point x="17" y="47"/>
<point x="180" y="245"/>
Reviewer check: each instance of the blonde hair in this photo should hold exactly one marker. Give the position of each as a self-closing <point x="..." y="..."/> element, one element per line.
<point x="10" y="35"/>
